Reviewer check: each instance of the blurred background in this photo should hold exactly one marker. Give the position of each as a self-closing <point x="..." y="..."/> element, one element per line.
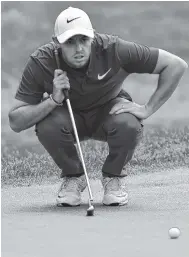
<point x="28" y="25"/>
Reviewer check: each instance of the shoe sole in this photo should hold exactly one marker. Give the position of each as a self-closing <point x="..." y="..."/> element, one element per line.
<point x="61" y="203"/>
<point x="66" y="205"/>
<point x="117" y="204"/>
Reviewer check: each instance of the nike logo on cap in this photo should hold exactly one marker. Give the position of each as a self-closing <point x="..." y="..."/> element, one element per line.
<point x="104" y="75"/>
<point x="68" y="21"/>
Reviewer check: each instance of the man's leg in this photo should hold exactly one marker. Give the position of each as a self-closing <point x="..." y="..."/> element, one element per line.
<point x="122" y="133"/>
<point x="55" y="133"/>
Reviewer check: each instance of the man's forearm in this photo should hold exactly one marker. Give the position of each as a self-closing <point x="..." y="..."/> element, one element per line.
<point x="168" y="80"/>
<point x="27" y="116"/>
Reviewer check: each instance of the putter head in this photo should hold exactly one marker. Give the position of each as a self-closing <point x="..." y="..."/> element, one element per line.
<point x="90" y="211"/>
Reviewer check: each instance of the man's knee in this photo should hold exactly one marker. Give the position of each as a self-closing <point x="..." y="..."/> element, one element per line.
<point x="126" y="129"/>
<point x="132" y="123"/>
<point x="126" y="122"/>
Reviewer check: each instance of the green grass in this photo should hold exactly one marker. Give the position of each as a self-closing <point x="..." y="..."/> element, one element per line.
<point x="161" y="148"/>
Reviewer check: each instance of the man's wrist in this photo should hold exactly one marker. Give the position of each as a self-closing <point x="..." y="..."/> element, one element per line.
<point x="54" y="101"/>
<point x="149" y="110"/>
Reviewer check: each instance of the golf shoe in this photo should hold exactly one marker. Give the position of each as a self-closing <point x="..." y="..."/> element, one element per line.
<point x="70" y="190"/>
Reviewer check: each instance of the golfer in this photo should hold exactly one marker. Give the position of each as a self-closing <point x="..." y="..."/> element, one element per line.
<point x="93" y="68"/>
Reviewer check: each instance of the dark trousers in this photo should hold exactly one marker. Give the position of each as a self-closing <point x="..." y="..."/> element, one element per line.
<point x="122" y="132"/>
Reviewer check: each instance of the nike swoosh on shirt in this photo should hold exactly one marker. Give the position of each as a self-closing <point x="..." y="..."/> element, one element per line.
<point x="104" y="75"/>
<point x="68" y="21"/>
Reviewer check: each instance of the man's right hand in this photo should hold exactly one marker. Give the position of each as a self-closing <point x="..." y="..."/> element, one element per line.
<point x="60" y="82"/>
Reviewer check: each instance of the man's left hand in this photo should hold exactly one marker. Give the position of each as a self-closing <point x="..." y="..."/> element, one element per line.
<point x="140" y="111"/>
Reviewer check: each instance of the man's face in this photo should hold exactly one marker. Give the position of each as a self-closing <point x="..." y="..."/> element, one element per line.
<point x="76" y="51"/>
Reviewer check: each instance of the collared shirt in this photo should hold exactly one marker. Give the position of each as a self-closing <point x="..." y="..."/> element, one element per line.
<point x="111" y="61"/>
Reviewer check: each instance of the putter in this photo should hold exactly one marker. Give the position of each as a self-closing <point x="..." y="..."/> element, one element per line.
<point x="90" y="210"/>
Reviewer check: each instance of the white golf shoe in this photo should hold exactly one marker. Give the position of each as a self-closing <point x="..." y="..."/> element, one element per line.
<point x="115" y="192"/>
<point x="70" y="190"/>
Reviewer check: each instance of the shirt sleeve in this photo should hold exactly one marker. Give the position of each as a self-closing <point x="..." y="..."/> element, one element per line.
<point x="31" y="88"/>
<point x="136" y="58"/>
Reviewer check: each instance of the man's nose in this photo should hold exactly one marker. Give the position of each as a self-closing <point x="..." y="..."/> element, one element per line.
<point x="78" y="46"/>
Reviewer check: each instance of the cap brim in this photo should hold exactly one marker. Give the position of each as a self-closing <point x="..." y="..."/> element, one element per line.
<point x="77" y="31"/>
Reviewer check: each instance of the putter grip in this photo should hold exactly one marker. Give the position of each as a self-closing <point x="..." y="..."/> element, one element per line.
<point x="66" y="94"/>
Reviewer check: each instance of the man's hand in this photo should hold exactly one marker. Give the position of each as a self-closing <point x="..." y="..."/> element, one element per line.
<point x="60" y="82"/>
<point x="140" y="111"/>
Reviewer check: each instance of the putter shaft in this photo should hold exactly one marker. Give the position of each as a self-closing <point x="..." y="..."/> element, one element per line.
<point x="79" y="148"/>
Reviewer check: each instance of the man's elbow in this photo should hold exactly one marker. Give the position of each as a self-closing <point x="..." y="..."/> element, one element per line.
<point x="14" y="127"/>
<point x="13" y="124"/>
<point x="181" y="64"/>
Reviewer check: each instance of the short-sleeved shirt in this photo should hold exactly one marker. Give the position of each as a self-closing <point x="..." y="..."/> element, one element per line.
<point x="112" y="60"/>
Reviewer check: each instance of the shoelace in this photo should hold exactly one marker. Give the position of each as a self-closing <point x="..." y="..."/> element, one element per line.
<point x="70" y="183"/>
<point x="115" y="186"/>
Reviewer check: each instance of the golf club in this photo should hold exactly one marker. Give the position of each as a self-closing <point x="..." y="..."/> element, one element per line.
<point x="90" y="210"/>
